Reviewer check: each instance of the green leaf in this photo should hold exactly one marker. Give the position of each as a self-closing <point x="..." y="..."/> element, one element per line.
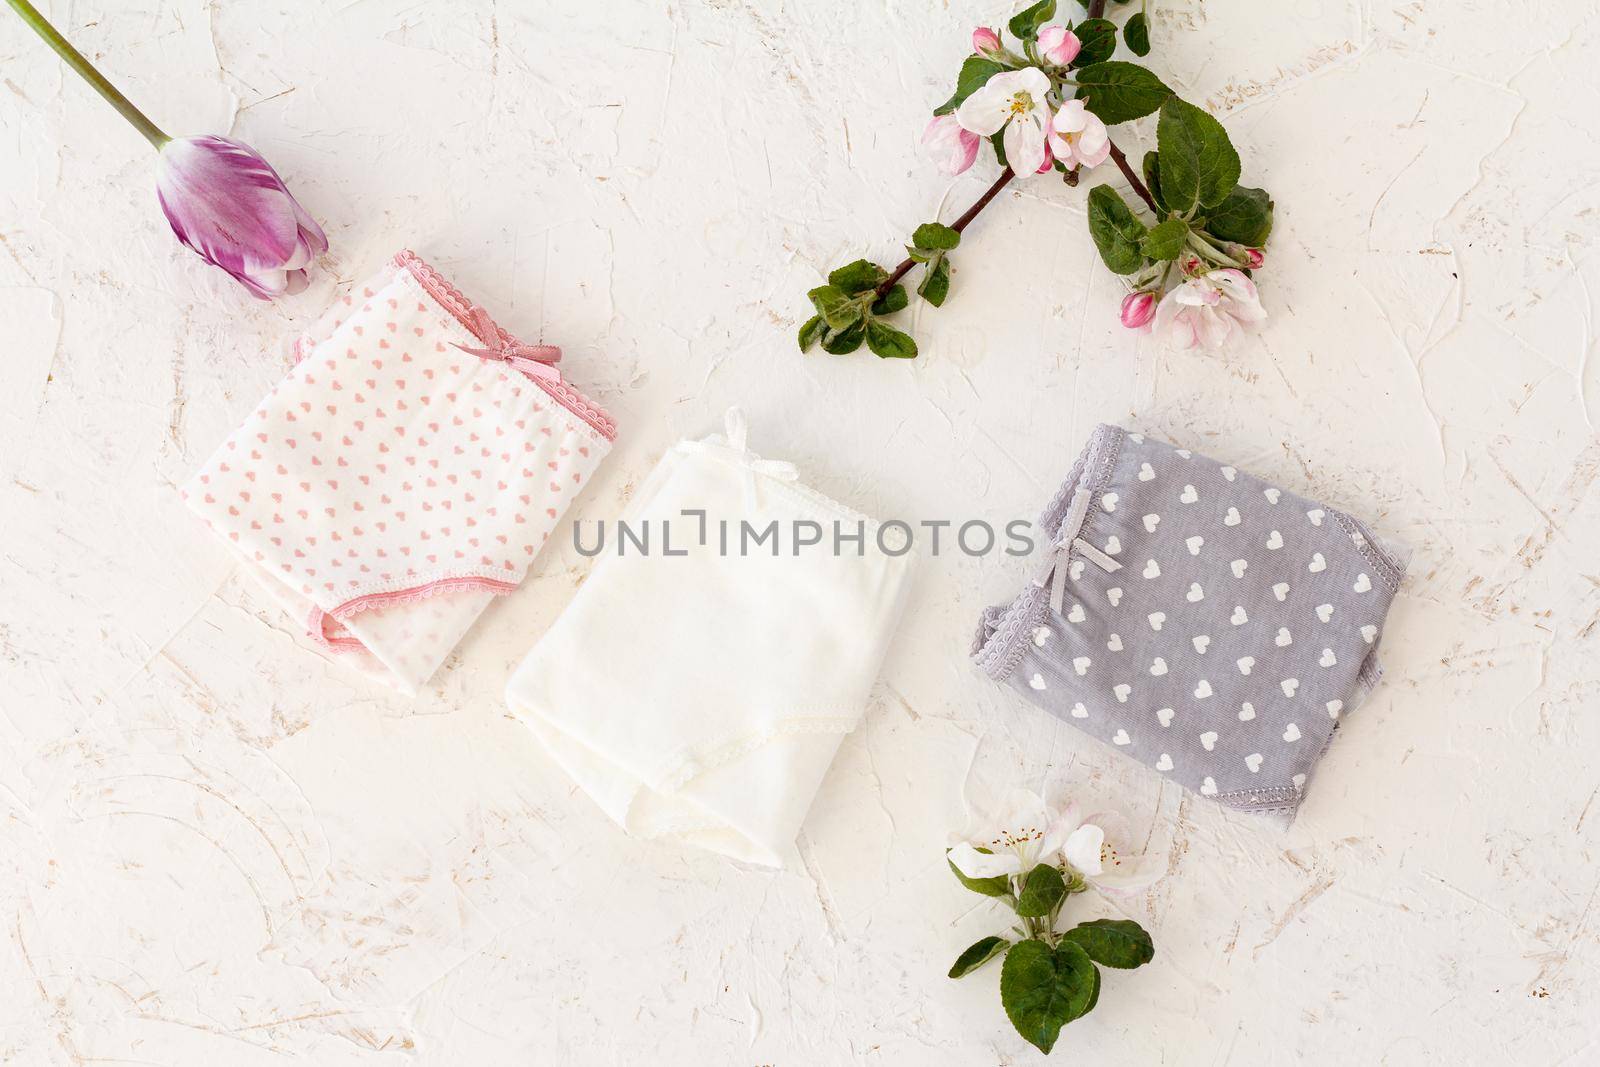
<point x="1094" y="995"/>
<point x="1198" y="163"/>
<point x="1137" y="34"/>
<point x="1042" y="890"/>
<point x="1113" y="942"/>
<point x="894" y="300"/>
<point x="1043" y="990"/>
<point x="858" y="277"/>
<point x="1120" y="92"/>
<point x="1098" y="38"/>
<point x="997" y="143"/>
<point x="1117" y="234"/>
<point x="811" y="332"/>
<point x="837" y="307"/>
<point x="1245" y="216"/>
<point x="1025" y="24"/>
<point x="1165" y="240"/>
<point x="977" y="954"/>
<point x="935" y="281"/>
<point x="933" y="236"/>
<point x="845" y="341"/>
<point x="974" y="73"/>
<point x="888" y="342"/>
<point x="998" y="886"/>
<point x="1152" y="178"/>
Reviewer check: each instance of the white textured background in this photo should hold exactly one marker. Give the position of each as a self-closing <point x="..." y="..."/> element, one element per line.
<point x="216" y="847"/>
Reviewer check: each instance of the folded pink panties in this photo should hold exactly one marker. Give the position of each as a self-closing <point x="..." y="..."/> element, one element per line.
<point x="406" y="471"/>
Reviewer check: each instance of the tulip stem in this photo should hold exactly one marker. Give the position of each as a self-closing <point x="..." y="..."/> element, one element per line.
<point x="958" y="225"/>
<point x="77" y="62"/>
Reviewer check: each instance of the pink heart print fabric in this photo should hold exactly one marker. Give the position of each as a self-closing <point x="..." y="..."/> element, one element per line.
<point x="407" y="471"/>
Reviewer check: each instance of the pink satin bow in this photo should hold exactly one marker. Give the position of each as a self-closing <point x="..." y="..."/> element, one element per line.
<point x="536" y="361"/>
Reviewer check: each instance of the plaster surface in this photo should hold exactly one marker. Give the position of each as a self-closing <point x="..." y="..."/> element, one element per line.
<point x="218" y="847"/>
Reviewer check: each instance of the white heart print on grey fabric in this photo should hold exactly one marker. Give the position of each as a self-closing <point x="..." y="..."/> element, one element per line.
<point x="1287" y="613"/>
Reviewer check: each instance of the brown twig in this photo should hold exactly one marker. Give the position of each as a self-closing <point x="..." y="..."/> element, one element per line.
<point x="959" y="225"/>
<point x="1133" y="179"/>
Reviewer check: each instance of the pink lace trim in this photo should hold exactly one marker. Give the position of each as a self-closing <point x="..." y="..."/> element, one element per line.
<point x="327" y="627"/>
<point x="456" y="303"/>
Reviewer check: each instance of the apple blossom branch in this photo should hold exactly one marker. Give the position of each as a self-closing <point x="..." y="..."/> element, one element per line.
<point x="959" y="225"/>
<point x="1000" y="183"/>
<point x="1044" y="100"/>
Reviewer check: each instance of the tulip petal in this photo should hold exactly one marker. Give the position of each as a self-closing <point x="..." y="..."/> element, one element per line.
<point x="310" y="231"/>
<point x="225" y="202"/>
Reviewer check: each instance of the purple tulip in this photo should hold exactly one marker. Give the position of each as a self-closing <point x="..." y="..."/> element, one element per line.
<point x="223" y="200"/>
<point x="227" y="204"/>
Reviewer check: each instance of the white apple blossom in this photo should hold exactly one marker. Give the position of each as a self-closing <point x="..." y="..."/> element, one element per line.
<point x="1078" y="137"/>
<point x="1100" y="850"/>
<point x="1015" y="101"/>
<point x="1024" y="832"/>
<point x="1027" y="831"/>
<point x="1210" y="310"/>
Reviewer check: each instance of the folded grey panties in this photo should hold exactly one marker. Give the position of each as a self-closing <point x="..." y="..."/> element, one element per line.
<point x="1204" y="622"/>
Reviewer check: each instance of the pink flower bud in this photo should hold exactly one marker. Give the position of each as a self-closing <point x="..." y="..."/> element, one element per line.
<point x="1058" y="45"/>
<point x="985" y="41"/>
<point x="227" y="204"/>
<point x="1253" y="258"/>
<point x="951" y="147"/>
<point x="1138" y="309"/>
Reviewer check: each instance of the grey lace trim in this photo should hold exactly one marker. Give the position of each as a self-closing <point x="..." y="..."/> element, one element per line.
<point x="998" y="646"/>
